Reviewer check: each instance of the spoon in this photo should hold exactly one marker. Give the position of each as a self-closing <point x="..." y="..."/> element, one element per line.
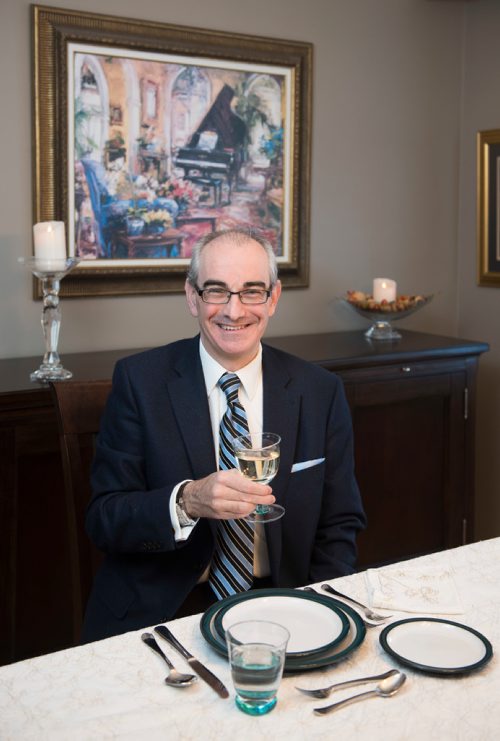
<point x="325" y="691"/>
<point x="386" y="688"/>
<point x="367" y="611"/>
<point x="174" y="678"/>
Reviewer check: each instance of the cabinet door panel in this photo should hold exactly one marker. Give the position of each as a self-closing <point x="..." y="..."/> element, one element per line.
<point x="406" y="465"/>
<point x="43" y="571"/>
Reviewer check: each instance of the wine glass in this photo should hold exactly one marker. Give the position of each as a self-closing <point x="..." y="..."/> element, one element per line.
<point x="258" y="457"/>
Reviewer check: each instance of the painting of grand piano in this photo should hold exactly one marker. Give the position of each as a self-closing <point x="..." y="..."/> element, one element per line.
<point x="197" y="148"/>
<point x="148" y="136"/>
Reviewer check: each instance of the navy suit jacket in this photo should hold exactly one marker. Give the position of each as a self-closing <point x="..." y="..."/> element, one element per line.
<point x="156" y="432"/>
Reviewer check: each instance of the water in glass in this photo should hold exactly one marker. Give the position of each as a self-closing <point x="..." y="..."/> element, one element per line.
<point x="257" y="654"/>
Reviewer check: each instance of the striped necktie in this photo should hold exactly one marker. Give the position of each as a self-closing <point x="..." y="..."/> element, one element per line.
<point x="232" y="564"/>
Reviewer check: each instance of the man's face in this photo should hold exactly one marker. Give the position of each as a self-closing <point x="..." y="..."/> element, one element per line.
<point x="231" y="332"/>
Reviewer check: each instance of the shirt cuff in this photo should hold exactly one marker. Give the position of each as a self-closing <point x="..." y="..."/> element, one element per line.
<point x="180" y="533"/>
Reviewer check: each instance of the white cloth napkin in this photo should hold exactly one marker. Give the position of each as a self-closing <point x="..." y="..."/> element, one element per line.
<point x="414" y="589"/>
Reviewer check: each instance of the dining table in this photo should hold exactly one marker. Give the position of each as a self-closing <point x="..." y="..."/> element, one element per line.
<point x="115" y="688"/>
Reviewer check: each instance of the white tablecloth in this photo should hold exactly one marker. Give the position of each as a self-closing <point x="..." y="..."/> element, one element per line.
<point x="114" y="688"/>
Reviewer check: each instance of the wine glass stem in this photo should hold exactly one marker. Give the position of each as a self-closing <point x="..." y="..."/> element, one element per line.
<point x="261" y="509"/>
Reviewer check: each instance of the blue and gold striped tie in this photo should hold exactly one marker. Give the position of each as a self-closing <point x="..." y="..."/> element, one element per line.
<point x="232" y="564"/>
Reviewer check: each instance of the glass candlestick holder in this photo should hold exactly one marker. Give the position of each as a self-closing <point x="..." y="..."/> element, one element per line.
<point x="50" y="272"/>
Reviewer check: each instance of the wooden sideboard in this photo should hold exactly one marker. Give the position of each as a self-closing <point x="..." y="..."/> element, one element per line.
<point x="413" y="407"/>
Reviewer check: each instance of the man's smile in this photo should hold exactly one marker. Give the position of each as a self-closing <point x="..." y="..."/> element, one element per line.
<point x="232" y="327"/>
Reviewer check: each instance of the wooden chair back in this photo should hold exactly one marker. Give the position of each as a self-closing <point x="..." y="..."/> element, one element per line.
<point x="79" y="406"/>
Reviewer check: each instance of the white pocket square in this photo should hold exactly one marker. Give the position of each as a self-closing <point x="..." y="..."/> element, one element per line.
<point x="306" y="464"/>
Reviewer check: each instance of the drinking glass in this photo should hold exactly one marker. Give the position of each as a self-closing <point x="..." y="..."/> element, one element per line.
<point x="257" y="656"/>
<point x="258" y="458"/>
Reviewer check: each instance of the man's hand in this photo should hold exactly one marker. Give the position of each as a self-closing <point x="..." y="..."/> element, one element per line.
<point x="224" y="495"/>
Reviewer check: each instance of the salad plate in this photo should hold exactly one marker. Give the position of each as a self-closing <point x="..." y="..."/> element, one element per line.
<point x="436" y="646"/>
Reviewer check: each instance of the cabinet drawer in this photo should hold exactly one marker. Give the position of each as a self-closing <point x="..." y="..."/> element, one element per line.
<point x="398" y="371"/>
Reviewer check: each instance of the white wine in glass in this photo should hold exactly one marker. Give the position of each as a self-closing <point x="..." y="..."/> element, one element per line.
<point x="258" y="458"/>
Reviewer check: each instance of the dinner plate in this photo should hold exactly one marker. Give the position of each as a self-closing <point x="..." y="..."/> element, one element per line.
<point x="436" y="646"/>
<point x="354" y="638"/>
<point x="313" y="626"/>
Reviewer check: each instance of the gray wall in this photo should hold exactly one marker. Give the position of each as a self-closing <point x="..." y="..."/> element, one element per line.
<point x="479" y="308"/>
<point x="400" y="86"/>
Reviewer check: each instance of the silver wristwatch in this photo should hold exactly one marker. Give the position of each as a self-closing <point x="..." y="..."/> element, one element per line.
<point x="180" y="508"/>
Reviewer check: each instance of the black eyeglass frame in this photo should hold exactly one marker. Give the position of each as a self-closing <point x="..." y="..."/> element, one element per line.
<point x="201" y="291"/>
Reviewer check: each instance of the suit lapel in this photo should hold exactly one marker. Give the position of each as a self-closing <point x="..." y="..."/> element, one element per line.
<point x="282" y="404"/>
<point x="188" y="396"/>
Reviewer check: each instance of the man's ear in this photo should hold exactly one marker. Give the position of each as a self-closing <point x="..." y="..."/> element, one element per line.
<point x="191" y="298"/>
<point x="274" y="297"/>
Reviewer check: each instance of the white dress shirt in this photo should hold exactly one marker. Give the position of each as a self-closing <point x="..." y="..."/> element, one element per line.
<point x="251" y="397"/>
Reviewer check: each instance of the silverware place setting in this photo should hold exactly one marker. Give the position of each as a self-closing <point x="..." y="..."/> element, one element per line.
<point x="174" y="678"/>
<point x="385" y="688"/>
<point x="200" y="669"/>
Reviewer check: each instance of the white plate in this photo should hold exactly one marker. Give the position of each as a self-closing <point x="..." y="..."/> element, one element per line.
<point x="312" y="626"/>
<point x="356" y="630"/>
<point x="435" y="645"/>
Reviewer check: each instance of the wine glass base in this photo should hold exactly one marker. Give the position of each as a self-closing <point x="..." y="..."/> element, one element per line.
<point x="266" y="514"/>
<point x="46" y="374"/>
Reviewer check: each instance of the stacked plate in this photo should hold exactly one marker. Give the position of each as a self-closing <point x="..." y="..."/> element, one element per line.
<point x="322" y="630"/>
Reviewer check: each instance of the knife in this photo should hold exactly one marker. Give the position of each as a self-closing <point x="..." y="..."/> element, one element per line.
<point x="202" y="671"/>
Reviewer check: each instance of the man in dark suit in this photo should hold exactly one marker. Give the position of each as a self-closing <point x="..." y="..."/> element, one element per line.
<point x="159" y="502"/>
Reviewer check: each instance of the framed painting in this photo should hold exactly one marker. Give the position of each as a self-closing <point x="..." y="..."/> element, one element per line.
<point x="148" y="135"/>
<point x="488" y="208"/>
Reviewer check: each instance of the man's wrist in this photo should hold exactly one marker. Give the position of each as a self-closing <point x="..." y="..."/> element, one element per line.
<point x="185" y="520"/>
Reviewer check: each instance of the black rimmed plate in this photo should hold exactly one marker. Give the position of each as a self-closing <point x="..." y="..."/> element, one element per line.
<point x="436" y="646"/>
<point x="314" y="626"/>
<point x="354" y="638"/>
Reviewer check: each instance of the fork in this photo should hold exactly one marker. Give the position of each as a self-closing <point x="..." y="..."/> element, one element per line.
<point x="367" y="611"/>
<point x="323" y="692"/>
<point x="368" y="623"/>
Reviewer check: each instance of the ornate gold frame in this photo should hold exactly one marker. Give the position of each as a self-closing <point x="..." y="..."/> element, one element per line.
<point x="53" y="29"/>
<point x="488" y="208"/>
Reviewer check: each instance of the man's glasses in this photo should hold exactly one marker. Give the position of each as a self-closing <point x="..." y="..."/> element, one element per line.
<point x="223" y="296"/>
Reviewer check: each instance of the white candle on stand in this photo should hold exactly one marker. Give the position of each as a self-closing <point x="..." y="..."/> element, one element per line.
<point x="50" y="240"/>
<point x="384" y="289"/>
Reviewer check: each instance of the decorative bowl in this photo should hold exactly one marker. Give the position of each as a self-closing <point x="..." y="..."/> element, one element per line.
<point x="382" y="314"/>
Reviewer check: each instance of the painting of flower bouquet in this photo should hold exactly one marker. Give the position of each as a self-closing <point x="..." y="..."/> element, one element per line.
<point x="183" y="192"/>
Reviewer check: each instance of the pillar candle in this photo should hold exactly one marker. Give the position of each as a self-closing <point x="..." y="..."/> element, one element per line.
<point x="384" y="289"/>
<point x="50" y="240"/>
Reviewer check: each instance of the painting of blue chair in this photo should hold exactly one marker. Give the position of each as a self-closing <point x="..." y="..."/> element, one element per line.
<point x="112" y="213"/>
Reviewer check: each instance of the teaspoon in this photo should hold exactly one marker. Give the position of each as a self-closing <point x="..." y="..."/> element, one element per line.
<point x="174" y="678"/>
<point x="385" y="688"/>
